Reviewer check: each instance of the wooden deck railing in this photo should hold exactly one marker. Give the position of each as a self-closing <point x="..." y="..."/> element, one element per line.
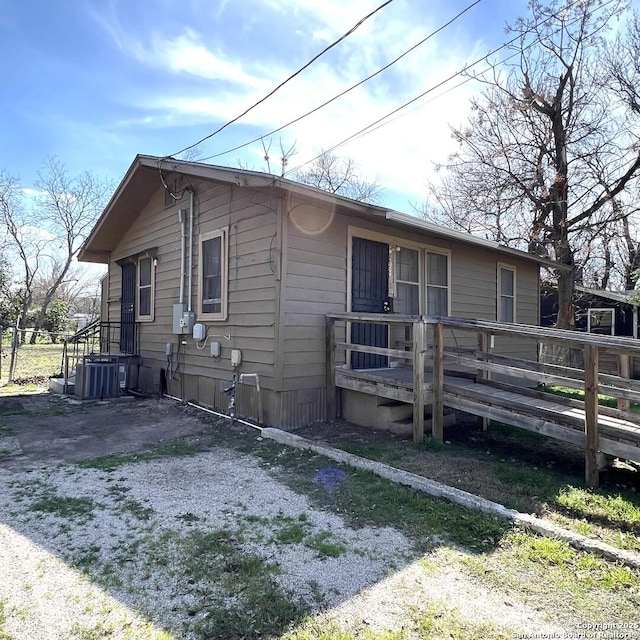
<point x="483" y="347"/>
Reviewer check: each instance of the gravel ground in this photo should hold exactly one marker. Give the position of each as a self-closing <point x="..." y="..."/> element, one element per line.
<point x="127" y="533"/>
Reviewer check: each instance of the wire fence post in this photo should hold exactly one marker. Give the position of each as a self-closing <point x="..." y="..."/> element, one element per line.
<point x="14" y="350"/>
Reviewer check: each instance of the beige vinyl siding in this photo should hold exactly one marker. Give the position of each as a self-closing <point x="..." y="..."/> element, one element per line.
<point x="250" y="217"/>
<point x="316" y="284"/>
<point x="475" y="291"/>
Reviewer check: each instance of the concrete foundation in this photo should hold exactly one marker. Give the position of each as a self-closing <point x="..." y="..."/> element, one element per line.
<point x="383" y="414"/>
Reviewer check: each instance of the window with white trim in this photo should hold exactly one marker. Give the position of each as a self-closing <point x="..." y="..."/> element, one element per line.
<point x="145" y="289"/>
<point x="407" y="270"/>
<point x="437" y="267"/>
<point x="601" y="321"/>
<point x="506" y="293"/>
<point x="212" y="275"/>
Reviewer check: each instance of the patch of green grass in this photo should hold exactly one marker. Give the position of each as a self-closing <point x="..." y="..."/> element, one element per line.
<point x="550" y="571"/>
<point x="13" y="389"/>
<point x="7" y="432"/>
<point x="617" y="510"/>
<point x="436" y="620"/>
<point x="439" y="621"/>
<point x="38" y="360"/>
<point x="325" y="544"/>
<point x="291" y="533"/>
<point x="88" y="558"/>
<point x="431" y="444"/>
<point x="164" y="450"/>
<point x="543" y="483"/>
<point x="106" y="631"/>
<point x="236" y="594"/>
<point x="136" y="509"/>
<point x="315" y="630"/>
<point x="372" y="451"/>
<point x="4" y="634"/>
<point x="365" y="499"/>
<point x="544" y="550"/>
<point x="578" y="394"/>
<point x="64" y="506"/>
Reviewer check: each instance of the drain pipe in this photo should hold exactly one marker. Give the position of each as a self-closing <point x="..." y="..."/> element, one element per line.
<point x="245" y="376"/>
<point x="191" y="211"/>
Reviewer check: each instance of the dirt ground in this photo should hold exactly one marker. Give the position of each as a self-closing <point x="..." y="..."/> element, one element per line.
<point x="140" y="523"/>
<point x="39" y="429"/>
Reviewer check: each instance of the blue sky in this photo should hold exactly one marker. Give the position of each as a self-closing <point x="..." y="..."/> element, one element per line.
<point x="97" y="81"/>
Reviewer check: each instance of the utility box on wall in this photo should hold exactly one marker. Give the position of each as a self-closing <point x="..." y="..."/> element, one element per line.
<point x="183" y="320"/>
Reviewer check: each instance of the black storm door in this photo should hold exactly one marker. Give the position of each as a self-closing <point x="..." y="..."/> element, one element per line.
<point x="128" y="308"/>
<point x="369" y="293"/>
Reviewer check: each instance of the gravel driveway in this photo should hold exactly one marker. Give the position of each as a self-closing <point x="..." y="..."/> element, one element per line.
<point x="195" y="543"/>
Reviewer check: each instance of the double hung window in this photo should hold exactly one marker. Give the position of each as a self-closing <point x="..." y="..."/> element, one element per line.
<point x="437" y="264"/>
<point x="213" y="275"/>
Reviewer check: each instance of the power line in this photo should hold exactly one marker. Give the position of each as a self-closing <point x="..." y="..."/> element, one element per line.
<point x="351" y="88"/>
<point x="381" y="121"/>
<point x="291" y="77"/>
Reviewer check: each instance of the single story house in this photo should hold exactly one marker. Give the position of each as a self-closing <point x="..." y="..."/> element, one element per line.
<point x="214" y="271"/>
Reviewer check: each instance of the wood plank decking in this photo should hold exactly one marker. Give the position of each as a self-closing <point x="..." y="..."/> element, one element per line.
<point x="421" y="377"/>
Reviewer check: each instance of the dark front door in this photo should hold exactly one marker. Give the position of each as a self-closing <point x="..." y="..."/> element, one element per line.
<point x="128" y="308"/>
<point x="369" y="292"/>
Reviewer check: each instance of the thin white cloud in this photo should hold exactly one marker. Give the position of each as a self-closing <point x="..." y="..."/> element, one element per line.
<point x="228" y="81"/>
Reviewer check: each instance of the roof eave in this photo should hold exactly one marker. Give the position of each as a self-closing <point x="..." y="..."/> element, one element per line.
<point x="459" y="236"/>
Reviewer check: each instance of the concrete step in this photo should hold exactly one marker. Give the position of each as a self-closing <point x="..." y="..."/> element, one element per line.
<point x="56" y="385"/>
<point x="392" y="410"/>
<point x="404" y="427"/>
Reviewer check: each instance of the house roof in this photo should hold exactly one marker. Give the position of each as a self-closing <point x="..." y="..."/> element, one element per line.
<point x="615" y="296"/>
<point x="145" y="176"/>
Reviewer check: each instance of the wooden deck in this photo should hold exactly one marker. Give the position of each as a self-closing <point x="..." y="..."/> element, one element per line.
<point x="493" y="386"/>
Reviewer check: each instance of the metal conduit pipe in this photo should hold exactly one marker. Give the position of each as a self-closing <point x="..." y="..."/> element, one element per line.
<point x="191" y="211"/>
<point x="243" y="377"/>
<point x="183" y="238"/>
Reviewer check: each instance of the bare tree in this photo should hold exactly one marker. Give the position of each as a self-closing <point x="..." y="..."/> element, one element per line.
<point x="68" y="206"/>
<point x="550" y="148"/>
<point x="341" y="176"/>
<point x="23" y="242"/>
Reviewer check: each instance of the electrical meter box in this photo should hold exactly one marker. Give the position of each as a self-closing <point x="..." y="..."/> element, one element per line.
<point x="183" y="320"/>
<point x="199" y="331"/>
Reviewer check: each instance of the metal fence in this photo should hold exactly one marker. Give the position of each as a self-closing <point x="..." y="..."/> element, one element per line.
<point x="30" y="356"/>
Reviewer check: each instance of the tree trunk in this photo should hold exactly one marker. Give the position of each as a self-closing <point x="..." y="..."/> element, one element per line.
<point x="566" y="315"/>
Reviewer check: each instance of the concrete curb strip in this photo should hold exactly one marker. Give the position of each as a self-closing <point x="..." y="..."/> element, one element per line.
<point x="457" y="496"/>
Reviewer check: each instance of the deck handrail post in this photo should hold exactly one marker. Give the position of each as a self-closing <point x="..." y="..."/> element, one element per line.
<point x="437" y="430"/>
<point x="624" y="371"/>
<point x="331" y="368"/>
<point x="419" y="329"/>
<point x="592" y="474"/>
<point x="484" y="346"/>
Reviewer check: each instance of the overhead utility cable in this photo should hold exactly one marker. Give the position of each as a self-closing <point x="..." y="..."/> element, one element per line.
<point x="351" y="88"/>
<point x="371" y="126"/>
<point x="291" y="77"/>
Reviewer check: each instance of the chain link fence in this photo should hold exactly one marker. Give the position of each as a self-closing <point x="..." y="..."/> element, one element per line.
<point x="29" y="357"/>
